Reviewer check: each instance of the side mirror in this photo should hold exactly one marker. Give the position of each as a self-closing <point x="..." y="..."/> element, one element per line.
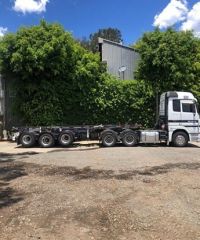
<point x="193" y="108"/>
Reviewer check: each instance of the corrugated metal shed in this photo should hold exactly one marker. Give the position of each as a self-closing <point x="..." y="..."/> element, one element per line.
<point x="121" y="61"/>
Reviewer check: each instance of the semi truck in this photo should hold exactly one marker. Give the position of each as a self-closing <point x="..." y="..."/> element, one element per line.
<point x="178" y="124"/>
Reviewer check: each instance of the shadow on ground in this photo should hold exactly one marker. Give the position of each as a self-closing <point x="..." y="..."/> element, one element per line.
<point x="88" y="173"/>
<point x="95" y="146"/>
<point x="8" y="172"/>
<point x="11" y="170"/>
<point x="76" y="146"/>
<point x="8" y="195"/>
<point x="9" y="157"/>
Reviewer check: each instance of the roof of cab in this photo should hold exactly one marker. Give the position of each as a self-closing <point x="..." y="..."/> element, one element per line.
<point x="181" y="95"/>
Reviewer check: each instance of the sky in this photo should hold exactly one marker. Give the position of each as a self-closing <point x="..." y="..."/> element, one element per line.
<point x="83" y="17"/>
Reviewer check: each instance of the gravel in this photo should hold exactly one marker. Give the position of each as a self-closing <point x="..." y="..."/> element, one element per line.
<point x="142" y="193"/>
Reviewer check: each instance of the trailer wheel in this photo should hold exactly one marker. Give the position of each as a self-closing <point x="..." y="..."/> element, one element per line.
<point x="65" y="139"/>
<point x="109" y="139"/>
<point x="46" y="140"/>
<point x="27" y="140"/>
<point x="180" y="139"/>
<point x="130" y="139"/>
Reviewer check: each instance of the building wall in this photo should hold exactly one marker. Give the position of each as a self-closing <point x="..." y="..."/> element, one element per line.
<point x="7" y="98"/>
<point x="1" y="107"/>
<point x="11" y="118"/>
<point x="117" y="56"/>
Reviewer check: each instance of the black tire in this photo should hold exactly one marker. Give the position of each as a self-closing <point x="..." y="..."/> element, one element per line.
<point x="27" y="140"/>
<point x="180" y="139"/>
<point x="46" y="140"/>
<point x="109" y="139"/>
<point x="130" y="139"/>
<point x="65" y="139"/>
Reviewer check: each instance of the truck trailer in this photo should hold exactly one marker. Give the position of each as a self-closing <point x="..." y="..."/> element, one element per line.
<point x="178" y="124"/>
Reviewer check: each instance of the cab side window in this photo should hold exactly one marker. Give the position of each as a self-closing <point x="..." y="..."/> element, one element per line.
<point x="176" y="106"/>
<point x="188" y="107"/>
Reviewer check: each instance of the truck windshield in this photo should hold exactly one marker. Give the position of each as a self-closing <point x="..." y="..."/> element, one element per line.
<point x="188" y="107"/>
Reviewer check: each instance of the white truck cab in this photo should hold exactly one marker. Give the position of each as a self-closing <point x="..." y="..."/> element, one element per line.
<point x="179" y="115"/>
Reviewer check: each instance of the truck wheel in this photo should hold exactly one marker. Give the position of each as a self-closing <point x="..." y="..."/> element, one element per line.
<point x="109" y="140"/>
<point x="65" y="139"/>
<point x="27" y="140"/>
<point x="130" y="139"/>
<point x="46" y="140"/>
<point x="180" y="139"/>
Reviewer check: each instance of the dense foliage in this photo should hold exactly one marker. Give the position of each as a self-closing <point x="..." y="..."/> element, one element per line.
<point x="57" y="81"/>
<point x="127" y="101"/>
<point x="54" y="75"/>
<point x="170" y="60"/>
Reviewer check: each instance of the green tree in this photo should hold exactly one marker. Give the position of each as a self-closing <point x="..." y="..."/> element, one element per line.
<point x="60" y="82"/>
<point x="168" y="60"/>
<point x="55" y="77"/>
<point x="124" y="102"/>
<point x="38" y="57"/>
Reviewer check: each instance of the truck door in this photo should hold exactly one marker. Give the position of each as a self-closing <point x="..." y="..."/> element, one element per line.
<point x="190" y="117"/>
<point x="174" y="112"/>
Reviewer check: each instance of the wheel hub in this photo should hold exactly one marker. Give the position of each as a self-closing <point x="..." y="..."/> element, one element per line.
<point x="26" y="139"/>
<point x="129" y="139"/>
<point x="46" y="140"/>
<point x="180" y="140"/>
<point x="109" y="140"/>
<point x="65" y="138"/>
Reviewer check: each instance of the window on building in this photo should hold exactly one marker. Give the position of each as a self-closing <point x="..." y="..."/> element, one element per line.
<point x="176" y="106"/>
<point x="188" y="107"/>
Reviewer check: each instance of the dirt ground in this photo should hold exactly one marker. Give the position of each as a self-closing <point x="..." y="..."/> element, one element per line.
<point x="83" y="193"/>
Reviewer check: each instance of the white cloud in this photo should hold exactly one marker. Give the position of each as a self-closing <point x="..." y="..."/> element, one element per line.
<point x="29" y="6"/>
<point x="174" y="12"/>
<point x="3" y="31"/>
<point x="193" y="20"/>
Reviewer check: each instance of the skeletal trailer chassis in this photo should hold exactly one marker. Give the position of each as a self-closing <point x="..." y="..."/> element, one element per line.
<point x="108" y="135"/>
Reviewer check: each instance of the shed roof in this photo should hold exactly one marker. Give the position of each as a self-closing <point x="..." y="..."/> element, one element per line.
<point x="102" y="40"/>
